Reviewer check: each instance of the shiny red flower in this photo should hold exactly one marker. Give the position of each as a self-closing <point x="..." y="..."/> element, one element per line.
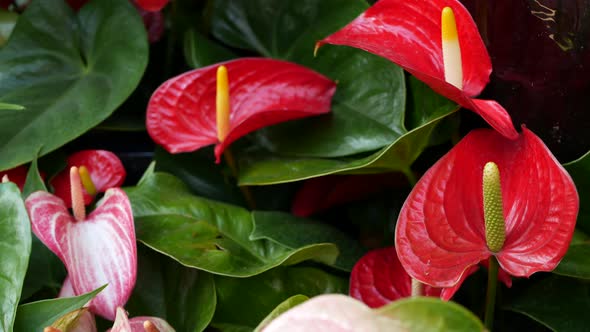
<point x="522" y="211"/>
<point x="181" y="114"/>
<point x="409" y="33"/>
<point x="105" y="170"/>
<point x="379" y="278"/>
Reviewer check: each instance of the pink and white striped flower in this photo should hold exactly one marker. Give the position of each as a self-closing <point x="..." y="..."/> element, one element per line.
<point x="96" y="250"/>
<point x="139" y="324"/>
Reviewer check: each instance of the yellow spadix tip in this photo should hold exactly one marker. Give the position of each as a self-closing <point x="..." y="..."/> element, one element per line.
<point x="222" y="103"/>
<point x="448" y="24"/>
<point x="87" y="180"/>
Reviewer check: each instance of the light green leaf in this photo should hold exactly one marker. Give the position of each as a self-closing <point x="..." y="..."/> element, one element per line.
<point x="15" y="244"/>
<point x="36" y="316"/>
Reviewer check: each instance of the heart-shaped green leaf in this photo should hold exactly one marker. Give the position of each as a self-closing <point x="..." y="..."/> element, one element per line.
<point x="293" y="232"/>
<point x="209" y="235"/>
<point x="428" y="314"/>
<point x="258" y="168"/>
<point x="68" y="71"/>
<point x="15" y="242"/>
<point x="199" y="51"/>
<point x="246" y="302"/>
<point x="559" y="303"/>
<point x="368" y="108"/>
<point x="576" y="262"/>
<point x="36" y="316"/>
<point x="580" y="172"/>
<point x="184" y="297"/>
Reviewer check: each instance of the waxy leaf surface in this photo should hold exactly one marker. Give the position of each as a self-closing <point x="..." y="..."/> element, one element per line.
<point x="580" y="172"/>
<point x="212" y="236"/>
<point x="16" y="248"/>
<point x="368" y="107"/>
<point x="68" y="71"/>
<point x="246" y="301"/>
<point x="181" y="114"/>
<point x="409" y="34"/>
<point x="440" y="232"/>
<point x="185" y="297"/>
<point x="35" y="316"/>
<point x="104" y="167"/>
<point x="98" y="250"/>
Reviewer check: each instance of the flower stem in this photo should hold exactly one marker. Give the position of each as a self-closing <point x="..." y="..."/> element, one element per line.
<point x="231" y="162"/>
<point x="491" y="294"/>
<point x="417" y="288"/>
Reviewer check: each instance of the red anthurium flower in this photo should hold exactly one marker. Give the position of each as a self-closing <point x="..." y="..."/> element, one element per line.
<point x="379" y="278"/>
<point x="104" y="169"/>
<point x="451" y="58"/>
<point x="139" y="324"/>
<point x="152" y="5"/>
<point x="321" y="193"/>
<point x="189" y="111"/>
<point x="96" y="250"/>
<point x="488" y="196"/>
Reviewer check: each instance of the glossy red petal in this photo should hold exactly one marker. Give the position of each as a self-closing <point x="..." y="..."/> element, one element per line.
<point x="96" y="251"/>
<point x="378" y="278"/>
<point x="105" y="168"/>
<point x="154" y="23"/>
<point x="152" y="5"/>
<point x="17" y="175"/>
<point x="321" y="193"/>
<point x="408" y="33"/>
<point x="181" y="113"/>
<point x="440" y="231"/>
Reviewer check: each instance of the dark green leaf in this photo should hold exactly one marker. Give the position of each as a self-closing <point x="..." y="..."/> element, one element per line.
<point x="36" y="316"/>
<point x="427" y="314"/>
<point x="261" y="169"/>
<point x="15" y="244"/>
<point x="200" y="51"/>
<point x="559" y="303"/>
<point x="576" y="262"/>
<point x="68" y="71"/>
<point x="209" y="235"/>
<point x="200" y="172"/>
<point x="184" y="297"/>
<point x="34" y="181"/>
<point x="368" y="108"/>
<point x="7" y="22"/>
<point x="580" y="172"/>
<point x="293" y="232"/>
<point x="246" y="302"/>
<point x="282" y="307"/>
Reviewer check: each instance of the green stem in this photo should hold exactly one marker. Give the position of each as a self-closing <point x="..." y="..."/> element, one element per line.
<point x="491" y="294"/>
<point x="231" y="162"/>
<point x="411" y="177"/>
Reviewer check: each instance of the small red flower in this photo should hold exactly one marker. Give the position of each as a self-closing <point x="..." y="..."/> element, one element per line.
<point x="152" y="5"/>
<point x="321" y="193"/>
<point x="181" y="114"/>
<point x="523" y="213"/>
<point x="379" y="278"/>
<point x="105" y="170"/>
<point x="17" y="175"/>
<point x="409" y="33"/>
